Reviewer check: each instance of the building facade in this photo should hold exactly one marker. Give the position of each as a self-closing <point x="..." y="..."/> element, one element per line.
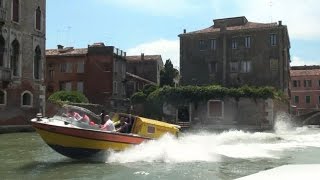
<point x="22" y="60"/>
<point x="98" y="71"/>
<point x="145" y="66"/>
<point x="305" y="89"/>
<point x="235" y="52"/>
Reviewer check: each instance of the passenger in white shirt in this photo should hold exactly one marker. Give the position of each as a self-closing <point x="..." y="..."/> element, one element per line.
<point x="108" y="125"/>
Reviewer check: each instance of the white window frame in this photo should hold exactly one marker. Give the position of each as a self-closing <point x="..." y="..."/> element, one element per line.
<point x="18" y="15"/>
<point x="69" y="68"/>
<point x="4" y="98"/>
<point x="202" y="44"/>
<point x="246" y="66"/>
<point x="68" y="86"/>
<point x="213" y="44"/>
<point x="80" y="86"/>
<point x="247" y="41"/>
<point x="234" y="43"/>
<point x="234" y="65"/>
<point x="80" y="67"/>
<point x="31" y="100"/>
<point x="273" y="39"/>
<point x="222" y="109"/>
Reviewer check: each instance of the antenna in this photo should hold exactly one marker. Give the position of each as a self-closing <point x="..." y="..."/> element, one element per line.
<point x="270" y="5"/>
<point x="68" y="35"/>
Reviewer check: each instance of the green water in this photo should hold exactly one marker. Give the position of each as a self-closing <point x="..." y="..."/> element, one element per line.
<point x="227" y="155"/>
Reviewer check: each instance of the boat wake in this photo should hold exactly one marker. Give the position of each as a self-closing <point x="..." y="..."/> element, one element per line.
<point x="211" y="147"/>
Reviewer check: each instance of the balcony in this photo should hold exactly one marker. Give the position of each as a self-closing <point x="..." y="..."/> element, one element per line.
<point x="3" y="15"/>
<point x="5" y="74"/>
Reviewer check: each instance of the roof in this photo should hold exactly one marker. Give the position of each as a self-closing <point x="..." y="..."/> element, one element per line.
<point x="145" y="58"/>
<point x="246" y="26"/>
<point x="306" y="72"/>
<point x="68" y="51"/>
<point x="140" y="78"/>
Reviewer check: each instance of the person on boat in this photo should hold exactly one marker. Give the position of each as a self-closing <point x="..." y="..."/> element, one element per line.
<point x="124" y="126"/>
<point x="102" y="114"/>
<point x="108" y="125"/>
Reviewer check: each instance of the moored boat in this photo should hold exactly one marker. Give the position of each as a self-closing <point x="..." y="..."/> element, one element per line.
<point x="76" y="138"/>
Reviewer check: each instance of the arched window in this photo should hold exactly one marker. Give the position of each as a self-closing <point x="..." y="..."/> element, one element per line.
<point x="37" y="63"/>
<point x="38" y="18"/>
<point x="15" y="10"/>
<point x="3" y="97"/>
<point x="14" y="61"/>
<point x="26" y="99"/>
<point x="2" y="48"/>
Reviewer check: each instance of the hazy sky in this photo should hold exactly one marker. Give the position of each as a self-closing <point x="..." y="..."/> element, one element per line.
<point x="153" y="26"/>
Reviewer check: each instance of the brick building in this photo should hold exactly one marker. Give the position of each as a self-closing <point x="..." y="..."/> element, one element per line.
<point x="98" y="71"/>
<point x="145" y="66"/>
<point x="22" y="58"/>
<point x="305" y="89"/>
<point x="235" y="52"/>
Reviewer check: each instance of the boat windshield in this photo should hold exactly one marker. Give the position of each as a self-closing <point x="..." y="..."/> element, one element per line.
<point x="77" y="116"/>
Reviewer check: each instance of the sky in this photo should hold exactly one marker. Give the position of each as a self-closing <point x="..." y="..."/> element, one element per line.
<point x="152" y="26"/>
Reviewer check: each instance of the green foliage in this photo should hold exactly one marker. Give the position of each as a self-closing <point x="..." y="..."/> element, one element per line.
<point x="185" y="94"/>
<point x="68" y="96"/>
<point x="138" y="97"/>
<point x="167" y="74"/>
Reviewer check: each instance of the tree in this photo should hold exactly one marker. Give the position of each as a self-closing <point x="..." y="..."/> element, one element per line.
<point x="68" y="96"/>
<point x="168" y="73"/>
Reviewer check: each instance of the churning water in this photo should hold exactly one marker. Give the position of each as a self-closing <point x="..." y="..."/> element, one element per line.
<point x="202" y="155"/>
<point x="211" y="147"/>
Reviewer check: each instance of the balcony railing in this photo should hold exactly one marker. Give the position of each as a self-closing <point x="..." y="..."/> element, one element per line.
<point x="3" y="15"/>
<point x="5" y="74"/>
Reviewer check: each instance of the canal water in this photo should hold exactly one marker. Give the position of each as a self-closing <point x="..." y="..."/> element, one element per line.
<point x="201" y="155"/>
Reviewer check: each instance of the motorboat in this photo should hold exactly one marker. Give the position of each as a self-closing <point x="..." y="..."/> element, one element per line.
<point x="80" y="138"/>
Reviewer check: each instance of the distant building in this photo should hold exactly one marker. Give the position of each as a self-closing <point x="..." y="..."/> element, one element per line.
<point x="22" y="60"/>
<point x="98" y="72"/>
<point x="305" y="89"/>
<point x="235" y="52"/>
<point x="145" y="66"/>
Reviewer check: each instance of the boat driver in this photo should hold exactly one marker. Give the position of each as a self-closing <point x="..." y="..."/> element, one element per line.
<point x="124" y="126"/>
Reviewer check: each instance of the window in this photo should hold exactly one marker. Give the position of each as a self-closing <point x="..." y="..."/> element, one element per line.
<point x="213" y="67"/>
<point x="15" y="10"/>
<point x="38" y="18"/>
<point x="3" y="97"/>
<point x="307" y="83"/>
<point x="296" y="99"/>
<point x="63" y="67"/>
<point x="234" y="67"/>
<point x="37" y="63"/>
<point x="273" y="39"/>
<point x="247" y="41"/>
<point x="26" y="99"/>
<point x="80" y="86"/>
<point x="107" y="67"/>
<point x="2" y="48"/>
<point x="215" y="108"/>
<point x="65" y="86"/>
<point x="14" y="60"/>
<point x="245" y="66"/>
<point x="234" y="44"/>
<point x="202" y="45"/>
<point x="115" y="87"/>
<point x="213" y="44"/>
<point x="69" y="67"/>
<point x="308" y="99"/>
<point x="80" y="67"/>
<point x="318" y="99"/>
<point x="123" y="70"/>
<point x="51" y="74"/>
<point x="296" y="83"/>
<point x="319" y="82"/>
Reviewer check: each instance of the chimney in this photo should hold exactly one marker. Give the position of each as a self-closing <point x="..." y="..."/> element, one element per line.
<point x="142" y="56"/>
<point x="60" y="46"/>
<point x="280" y="23"/>
<point x="184" y="31"/>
